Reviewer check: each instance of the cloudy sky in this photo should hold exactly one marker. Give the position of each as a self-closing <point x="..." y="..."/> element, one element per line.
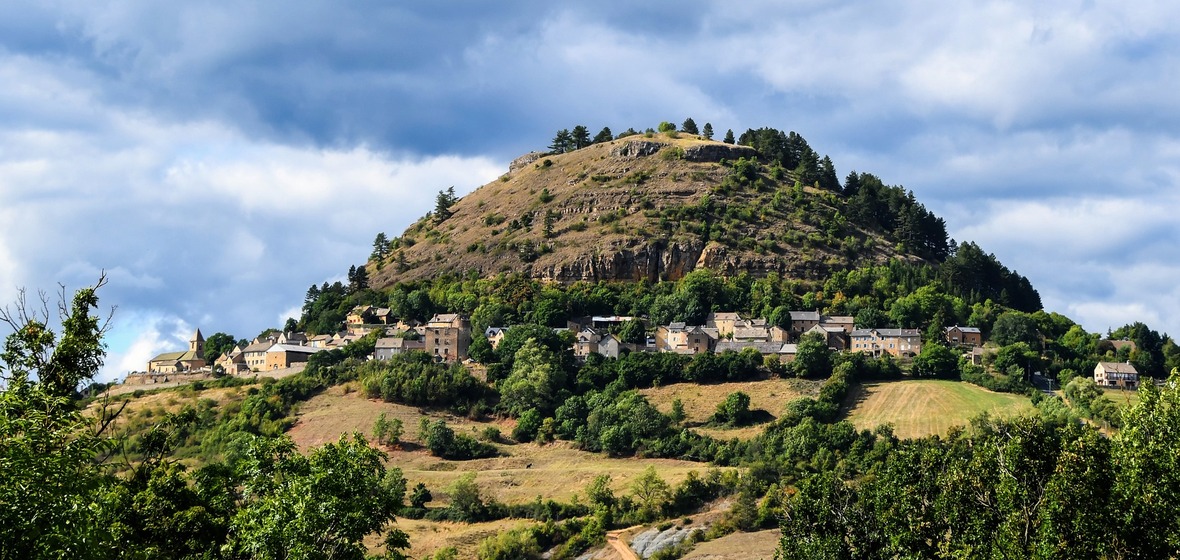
<point x="219" y="158"/>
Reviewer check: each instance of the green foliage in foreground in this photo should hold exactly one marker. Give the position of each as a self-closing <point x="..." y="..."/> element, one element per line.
<point x="1025" y="488"/>
<point x="60" y="496"/>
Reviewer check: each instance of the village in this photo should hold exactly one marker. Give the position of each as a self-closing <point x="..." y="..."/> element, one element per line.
<point x="447" y="337"/>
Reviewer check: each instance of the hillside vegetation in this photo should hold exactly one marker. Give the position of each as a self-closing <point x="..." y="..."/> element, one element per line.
<point x="656" y="208"/>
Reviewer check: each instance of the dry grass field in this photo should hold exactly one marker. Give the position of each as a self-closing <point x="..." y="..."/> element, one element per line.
<point x="555" y="471"/>
<point x="759" y="545"/>
<point x="700" y="401"/>
<point x="926" y="407"/>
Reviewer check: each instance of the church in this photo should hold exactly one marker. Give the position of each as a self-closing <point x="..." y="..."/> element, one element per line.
<point x="178" y="362"/>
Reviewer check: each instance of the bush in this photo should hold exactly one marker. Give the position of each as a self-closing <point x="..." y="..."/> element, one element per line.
<point x="443" y="442"/>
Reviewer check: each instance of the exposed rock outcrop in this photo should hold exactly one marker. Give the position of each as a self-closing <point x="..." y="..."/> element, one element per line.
<point x="637" y="148"/>
<point x="718" y="152"/>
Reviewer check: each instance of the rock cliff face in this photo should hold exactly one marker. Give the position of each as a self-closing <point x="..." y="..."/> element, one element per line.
<point x="634" y="209"/>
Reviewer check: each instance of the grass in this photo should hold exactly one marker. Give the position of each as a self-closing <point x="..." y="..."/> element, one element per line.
<point x="918" y="408"/>
<point x="738" y="546"/>
<point x="555" y="471"/>
<point x="700" y="401"/>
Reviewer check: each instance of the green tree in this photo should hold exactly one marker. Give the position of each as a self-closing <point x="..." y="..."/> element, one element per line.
<point x="707" y="132"/>
<point x="307" y="507"/>
<point x="677" y="415"/>
<point x="580" y="137"/>
<point x="651" y="492"/>
<point x="936" y="360"/>
<point x="729" y="137"/>
<point x="1012" y="327"/>
<point x="562" y="142"/>
<point x="218" y="344"/>
<point x="420" y="496"/>
<point x="734" y="410"/>
<point x="466" y="500"/>
<point x="813" y="358"/>
<point x="666" y="126"/>
<point x="443" y="202"/>
<point x="604" y="135"/>
<point x="51" y="487"/>
<point x="689" y="126"/>
<point x="380" y="247"/>
<point x="535" y="381"/>
<point x="633" y="332"/>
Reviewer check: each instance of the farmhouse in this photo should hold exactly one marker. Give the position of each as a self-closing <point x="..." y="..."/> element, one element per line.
<point x="1116" y="375"/>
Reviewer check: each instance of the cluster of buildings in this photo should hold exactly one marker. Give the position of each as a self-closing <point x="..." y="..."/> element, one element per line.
<point x="447" y="337"/>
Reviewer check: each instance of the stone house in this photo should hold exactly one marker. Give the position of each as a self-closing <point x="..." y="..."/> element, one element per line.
<point x="895" y="342"/>
<point x="447" y="337"/>
<point x="389" y="347"/>
<point x="280" y="356"/>
<point x="964" y="336"/>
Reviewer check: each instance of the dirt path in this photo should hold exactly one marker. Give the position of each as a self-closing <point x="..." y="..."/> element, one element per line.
<point x="614" y="538"/>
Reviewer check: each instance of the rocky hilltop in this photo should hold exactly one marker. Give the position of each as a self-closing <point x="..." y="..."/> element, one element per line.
<point x="645" y="207"/>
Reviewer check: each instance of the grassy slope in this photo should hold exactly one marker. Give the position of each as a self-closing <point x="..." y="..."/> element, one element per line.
<point x="700" y="401"/>
<point x="556" y="471"/>
<point x="919" y="408"/>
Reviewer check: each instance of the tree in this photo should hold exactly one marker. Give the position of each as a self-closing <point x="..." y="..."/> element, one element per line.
<point x="633" y="332"/>
<point x="420" y="496"/>
<point x="734" y="410"/>
<point x="380" y="247"/>
<point x="580" y="137"/>
<point x="51" y="485"/>
<point x="604" y="135"/>
<point x="547" y="223"/>
<point x="651" y="492"/>
<point x="666" y="126"/>
<point x="534" y="382"/>
<point x="217" y="344"/>
<point x="466" y="500"/>
<point x="707" y="132"/>
<point x="729" y="137"/>
<point x="827" y="175"/>
<point x="443" y="202"/>
<point x="677" y="415"/>
<point x="1012" y="327"/>
<point x="813" y="358"/>
<point x="689" y="126"/>
<point x="936" y="360"/>
<point x="307" y="507"/>
<point x="562" y="142"/>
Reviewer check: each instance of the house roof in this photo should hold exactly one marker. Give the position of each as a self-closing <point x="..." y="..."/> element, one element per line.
<point x="260" y="346"/>
<point x="293" y="348"/>
<point x="725" y="316"/>
<point x="738" y="346"/>
<point x="1118" y="367"/>
<point x="168" y="357"/>
<point x="964" y="329"/>
<point x="890" y="333"/>
<point x="839" y="319"/>
<point x="750" y="333"/>
<point x="805" y="316"/>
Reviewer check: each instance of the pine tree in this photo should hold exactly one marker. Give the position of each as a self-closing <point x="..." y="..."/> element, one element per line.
<point x="380" y="247"/>
<point x="689" y="126"/>
<point x="580" y="137"/>
<point x="562" y="143"/>
<point x="708" y="131"/>
<point x="827" y="175"/>
<point x="729" y="136"/>
<point x="443" y="203"/>
<point x="604" y="135"/>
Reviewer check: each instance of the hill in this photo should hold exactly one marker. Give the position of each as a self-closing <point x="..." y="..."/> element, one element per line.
<point x="655" y="207"/>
